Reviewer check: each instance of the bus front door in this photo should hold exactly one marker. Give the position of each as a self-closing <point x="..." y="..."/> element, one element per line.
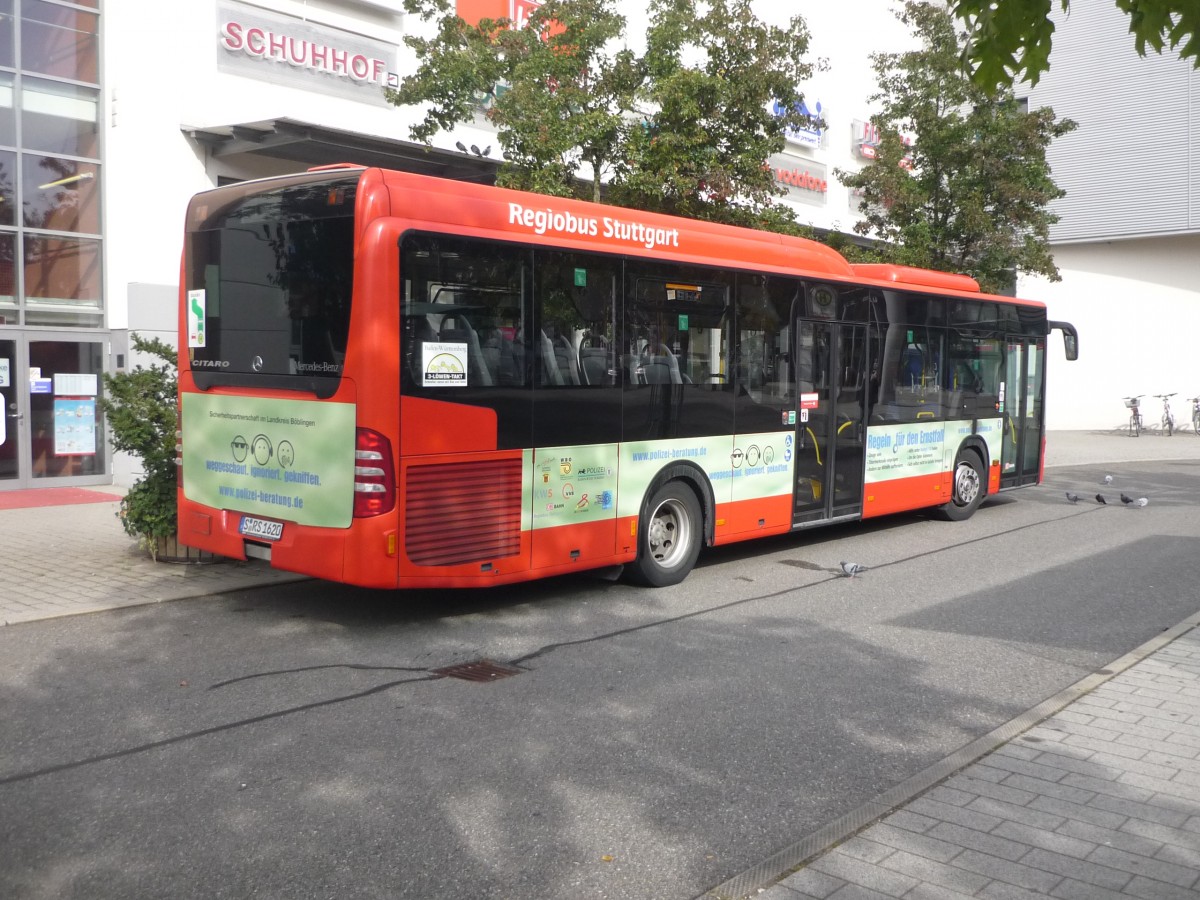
<point x="831" y="368"/>
<point x="1021" y="411"/>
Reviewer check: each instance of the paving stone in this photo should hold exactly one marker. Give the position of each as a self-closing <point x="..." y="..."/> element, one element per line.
<point x="911" y="821"/>
<point x="977" y="840"/>
<point x="1108" y="837"/>
<point x="959" y="815"/>
<point x="1094" y="815"/>
<point x="1141" y="865"/>
<point x="1147" y="889"/>
<point x="864" y="874"/>
<point x="1007" y="871"/>
<point x="812" y="883"/>
<point x="919" y="844"/>
<point x="1054" y="841"/>
<point x="933" y="872"/>
<point x="1078" y="869"/>
<point x="1013" y="813"/>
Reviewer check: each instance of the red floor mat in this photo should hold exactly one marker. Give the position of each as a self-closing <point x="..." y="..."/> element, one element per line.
<point x="63" y="496"/>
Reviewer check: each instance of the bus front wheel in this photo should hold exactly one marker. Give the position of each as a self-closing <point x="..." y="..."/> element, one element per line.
<point x="969" y="487"/>
<point x="669" y="537"/>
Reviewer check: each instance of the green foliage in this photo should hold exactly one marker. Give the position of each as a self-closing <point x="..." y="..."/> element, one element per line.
<point x="558" y="91"/>
<point x="142" y="412"/>
<point x="1009" y="40"/>
<point x="684" y="128"/>
<point x="971" y="192"/>
<point x="715" y="75"/>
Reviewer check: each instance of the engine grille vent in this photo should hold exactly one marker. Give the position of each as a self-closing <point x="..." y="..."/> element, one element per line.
<point x="463" y="512"/>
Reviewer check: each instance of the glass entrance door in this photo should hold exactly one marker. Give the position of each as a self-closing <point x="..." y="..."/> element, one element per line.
<point x="831" y="365"/>
<point x="52" y="430"/>
<point x="1021" y="407"/>
<point x="13" y="421"/>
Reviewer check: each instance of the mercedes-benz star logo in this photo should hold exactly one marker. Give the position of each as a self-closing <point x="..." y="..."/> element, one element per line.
<point x="256" y="364"/>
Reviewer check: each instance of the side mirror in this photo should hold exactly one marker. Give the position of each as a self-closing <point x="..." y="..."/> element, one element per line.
<point x="1070" y="338"/>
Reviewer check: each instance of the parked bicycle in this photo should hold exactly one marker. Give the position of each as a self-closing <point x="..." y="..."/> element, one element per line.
<point x="1168" y="417"/>
<point x="1195" y="401"/>
<point x="1134" y="405"/>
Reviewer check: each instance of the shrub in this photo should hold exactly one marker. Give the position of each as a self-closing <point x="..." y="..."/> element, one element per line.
<point x="142" y="409"/>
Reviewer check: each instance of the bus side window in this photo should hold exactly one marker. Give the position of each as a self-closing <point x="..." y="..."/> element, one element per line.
<point x="976" y="368"/>
<point x="763" y="364"/>
<point x="573" y="338"/>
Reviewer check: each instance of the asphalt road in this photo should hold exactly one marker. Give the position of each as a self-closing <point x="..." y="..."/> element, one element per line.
<point x="296" y="742"/>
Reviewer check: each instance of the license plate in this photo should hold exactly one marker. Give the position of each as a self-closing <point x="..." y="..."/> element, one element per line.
<point x="263" y="529"/>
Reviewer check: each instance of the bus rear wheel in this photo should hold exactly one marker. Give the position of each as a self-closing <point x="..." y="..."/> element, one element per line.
<point x="969" y="487"/>
<point x="668" y="537"/>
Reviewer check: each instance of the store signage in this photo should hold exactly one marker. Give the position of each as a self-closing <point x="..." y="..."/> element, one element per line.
<point x="805" y="180"/>
<point x="865" y="138"/>
<point x="289" y="51"/>
<point x="805" y="136"/>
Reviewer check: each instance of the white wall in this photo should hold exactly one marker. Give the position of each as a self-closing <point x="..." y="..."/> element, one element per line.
<point x="1136" y="304"/>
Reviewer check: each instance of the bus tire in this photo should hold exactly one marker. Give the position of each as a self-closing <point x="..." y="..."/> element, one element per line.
<point x="669" y="537"/>
<point x="969" y="487"/>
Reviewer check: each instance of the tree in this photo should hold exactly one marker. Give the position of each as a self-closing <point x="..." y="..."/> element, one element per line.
<point x="1010" y="40"/>
<point x="722" y="91"/>
<point x="557" y="96"/>
<point x="685" y="128"/>
<point x="971" y="191"/>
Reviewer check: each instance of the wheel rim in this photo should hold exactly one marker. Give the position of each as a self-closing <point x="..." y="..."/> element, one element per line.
<point x="669" y="533"/>
<point x="966" y="484"/>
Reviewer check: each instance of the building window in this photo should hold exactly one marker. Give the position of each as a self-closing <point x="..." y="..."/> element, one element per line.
<point x="59" y="41"/>
<point x="60" y="194"/>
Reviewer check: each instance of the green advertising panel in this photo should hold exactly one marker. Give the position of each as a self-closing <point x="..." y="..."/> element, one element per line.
<point x="924" y="448"/>
<point x="739" y="467"/>
<point x="574" y="484"/>
<point x="284" y="459"/>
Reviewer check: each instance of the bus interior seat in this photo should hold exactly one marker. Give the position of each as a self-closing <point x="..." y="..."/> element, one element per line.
<point x="660" y="367"/>
<point x="593" y="364"/>
<point x="458" y="330"/>
<point x="551" y="374"/>
<point x="567" y="359"/>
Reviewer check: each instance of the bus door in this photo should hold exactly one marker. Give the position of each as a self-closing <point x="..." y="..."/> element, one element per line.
<point x="831" y="370"/>
<point x="1021" y="395"/>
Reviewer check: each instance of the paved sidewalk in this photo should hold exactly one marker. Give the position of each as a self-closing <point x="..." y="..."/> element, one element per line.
<point x="63" y="560"/>
<point x="1099" y="801"/>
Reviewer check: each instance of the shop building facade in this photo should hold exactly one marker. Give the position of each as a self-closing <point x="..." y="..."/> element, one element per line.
<point x="120" y="110"/>
<point x="1128" y="241"/>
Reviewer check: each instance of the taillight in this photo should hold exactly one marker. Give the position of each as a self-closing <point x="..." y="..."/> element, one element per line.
<point x="374" y="478"/>
<point x="179" y="459"/>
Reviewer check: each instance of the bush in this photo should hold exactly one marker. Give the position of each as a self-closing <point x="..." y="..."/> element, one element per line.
<point x="142" y="409"/>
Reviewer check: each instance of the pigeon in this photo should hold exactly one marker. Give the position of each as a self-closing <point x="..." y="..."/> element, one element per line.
<point x="1107" y="479"/>
<point x="850" y="569"/>
<point x="1074" y="498"/>
<point x="1140" y="501"/>
<point x="1100" y="499"/>
<point x="1126" y="499"/>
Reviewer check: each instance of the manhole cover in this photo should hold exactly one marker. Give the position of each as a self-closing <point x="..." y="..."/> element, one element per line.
<point x="478" y="670"/>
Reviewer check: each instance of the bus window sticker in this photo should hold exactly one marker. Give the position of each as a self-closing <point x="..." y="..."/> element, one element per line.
<point x="443" y="364"/>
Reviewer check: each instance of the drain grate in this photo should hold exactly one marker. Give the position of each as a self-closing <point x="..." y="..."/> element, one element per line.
<point x="478" y="670"/>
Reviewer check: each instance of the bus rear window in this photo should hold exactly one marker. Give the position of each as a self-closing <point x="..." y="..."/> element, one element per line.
<point x="269" y="277"/>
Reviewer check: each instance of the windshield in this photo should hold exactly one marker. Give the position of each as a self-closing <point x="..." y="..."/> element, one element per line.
<point x="269" y="271"/>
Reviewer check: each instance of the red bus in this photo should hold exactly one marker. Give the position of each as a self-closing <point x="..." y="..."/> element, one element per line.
<point x="393" y="380"/>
